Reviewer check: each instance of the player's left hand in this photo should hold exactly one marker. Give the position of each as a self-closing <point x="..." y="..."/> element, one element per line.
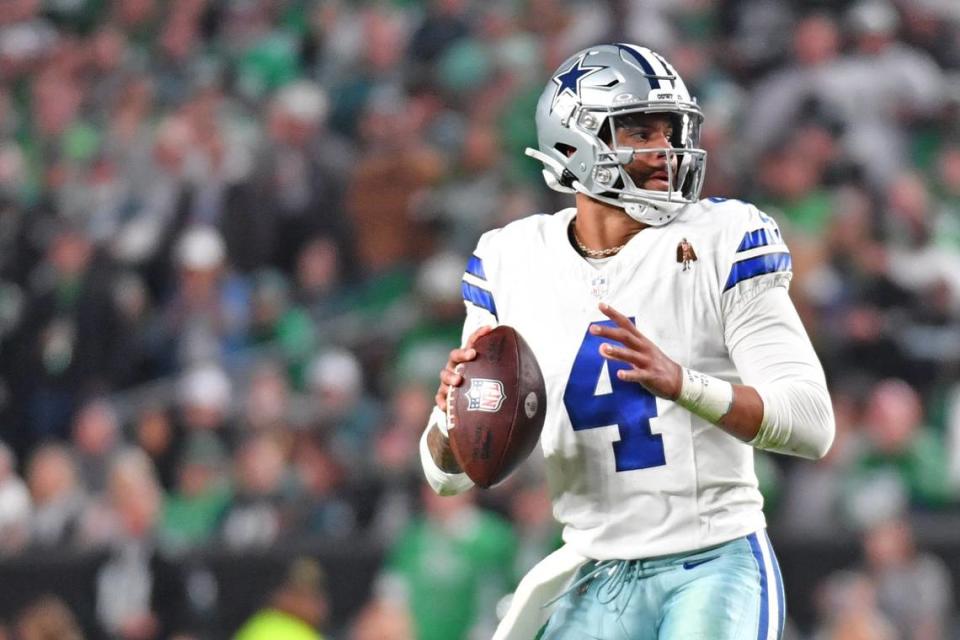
<point x="649" y="366"/>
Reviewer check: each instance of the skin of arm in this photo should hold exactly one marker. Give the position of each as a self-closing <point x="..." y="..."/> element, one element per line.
<point x="442" y="452"/>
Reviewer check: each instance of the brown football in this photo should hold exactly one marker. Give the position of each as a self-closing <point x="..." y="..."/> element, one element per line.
<point x="496" y="415"/>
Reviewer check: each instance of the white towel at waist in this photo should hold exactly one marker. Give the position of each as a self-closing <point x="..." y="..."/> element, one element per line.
<point x="543" y="583"/>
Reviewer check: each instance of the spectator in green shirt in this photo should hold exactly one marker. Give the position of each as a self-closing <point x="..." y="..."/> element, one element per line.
<point x="903" y="461"/>
<point x="192" y="513"/>
<point x="451" y="566"/>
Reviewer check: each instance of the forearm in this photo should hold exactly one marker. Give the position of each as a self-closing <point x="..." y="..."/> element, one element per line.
<point x="797" y="418"/>
<point x="441" y="451"/>
<point x="745" y="415"/>
<point x="440" y="468"/>
<point x="791" y="416"/>
<point x="807" y="432"/>
<point x="735" y="408"/>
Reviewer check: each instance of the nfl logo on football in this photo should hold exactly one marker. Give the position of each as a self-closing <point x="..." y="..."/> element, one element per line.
<point x="485" y="395"/>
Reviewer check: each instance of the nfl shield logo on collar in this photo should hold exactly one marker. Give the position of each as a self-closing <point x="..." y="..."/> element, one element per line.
<point x="599" y="286"/>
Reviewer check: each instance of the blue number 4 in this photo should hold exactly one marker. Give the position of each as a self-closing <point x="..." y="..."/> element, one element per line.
<point x="628" y="405"/>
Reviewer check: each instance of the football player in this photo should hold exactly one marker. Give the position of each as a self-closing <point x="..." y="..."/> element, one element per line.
<point x="670" y="350"/>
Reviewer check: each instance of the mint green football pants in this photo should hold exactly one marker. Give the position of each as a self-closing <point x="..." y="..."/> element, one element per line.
<point x="730" y="592"/>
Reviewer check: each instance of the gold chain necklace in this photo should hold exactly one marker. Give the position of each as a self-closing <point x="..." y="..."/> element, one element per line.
<point x="593" y="253"/>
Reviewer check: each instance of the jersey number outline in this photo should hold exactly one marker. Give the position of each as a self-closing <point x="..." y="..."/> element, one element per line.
<point x="628" y="405"/>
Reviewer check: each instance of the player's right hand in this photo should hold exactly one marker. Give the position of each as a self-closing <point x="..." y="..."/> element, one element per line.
<point x="449" y="376"/>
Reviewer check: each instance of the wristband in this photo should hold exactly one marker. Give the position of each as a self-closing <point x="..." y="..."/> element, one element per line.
<point x="705" y="396"/>
<point x="439" y="420"/>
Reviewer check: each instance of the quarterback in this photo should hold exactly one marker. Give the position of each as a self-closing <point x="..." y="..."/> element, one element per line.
<point x="670" y="350"/>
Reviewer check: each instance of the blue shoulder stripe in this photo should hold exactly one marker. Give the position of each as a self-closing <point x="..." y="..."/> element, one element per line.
<point x="753" y="267"/>
<point x="475" y="267"/>
<point x="478" y="296"/>
<point x="756" y="238"/>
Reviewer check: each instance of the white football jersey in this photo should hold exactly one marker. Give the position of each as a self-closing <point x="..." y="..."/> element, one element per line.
<point x="632" y="475"/>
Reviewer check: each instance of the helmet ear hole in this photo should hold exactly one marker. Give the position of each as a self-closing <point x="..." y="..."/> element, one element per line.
<point x="605" y="133"/>
<point x="566" y="178"/>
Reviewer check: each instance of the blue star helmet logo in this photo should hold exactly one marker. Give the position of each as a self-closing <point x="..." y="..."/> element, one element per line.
<point x="569" y="80"/>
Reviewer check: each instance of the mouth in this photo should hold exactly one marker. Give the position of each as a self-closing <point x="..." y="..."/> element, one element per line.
<point x="659" y="176"/>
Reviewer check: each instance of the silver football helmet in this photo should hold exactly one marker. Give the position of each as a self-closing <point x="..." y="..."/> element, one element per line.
<point x="578" y="113"/>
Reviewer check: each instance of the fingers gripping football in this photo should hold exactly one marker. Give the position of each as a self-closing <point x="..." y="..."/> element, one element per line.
<point x="449" y="377"/>
<point x="649" y="366"/>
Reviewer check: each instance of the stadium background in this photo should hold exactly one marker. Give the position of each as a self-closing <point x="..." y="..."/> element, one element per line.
<point x="231" y="238"/>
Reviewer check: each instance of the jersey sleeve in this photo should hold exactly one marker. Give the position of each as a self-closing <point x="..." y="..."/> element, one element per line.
<point x="767" y="341"/>
<point x="772" y="353"/>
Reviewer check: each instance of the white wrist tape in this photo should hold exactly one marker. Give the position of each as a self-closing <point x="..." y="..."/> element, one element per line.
<point x="443" y="483"/>
<point x="438" y="419"/>
<point x="705" y="396"/>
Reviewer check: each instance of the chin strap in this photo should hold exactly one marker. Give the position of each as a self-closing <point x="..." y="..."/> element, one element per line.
<point x="639" y="211"/>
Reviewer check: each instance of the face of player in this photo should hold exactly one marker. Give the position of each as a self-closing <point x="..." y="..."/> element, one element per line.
<point x="647" y="131"/>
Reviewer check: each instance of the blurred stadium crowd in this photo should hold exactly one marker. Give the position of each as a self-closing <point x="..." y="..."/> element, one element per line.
<point x="231" y="239"/>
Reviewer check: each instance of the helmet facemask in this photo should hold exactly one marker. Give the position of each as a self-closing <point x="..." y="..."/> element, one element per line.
<point x="684" y="161"/>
